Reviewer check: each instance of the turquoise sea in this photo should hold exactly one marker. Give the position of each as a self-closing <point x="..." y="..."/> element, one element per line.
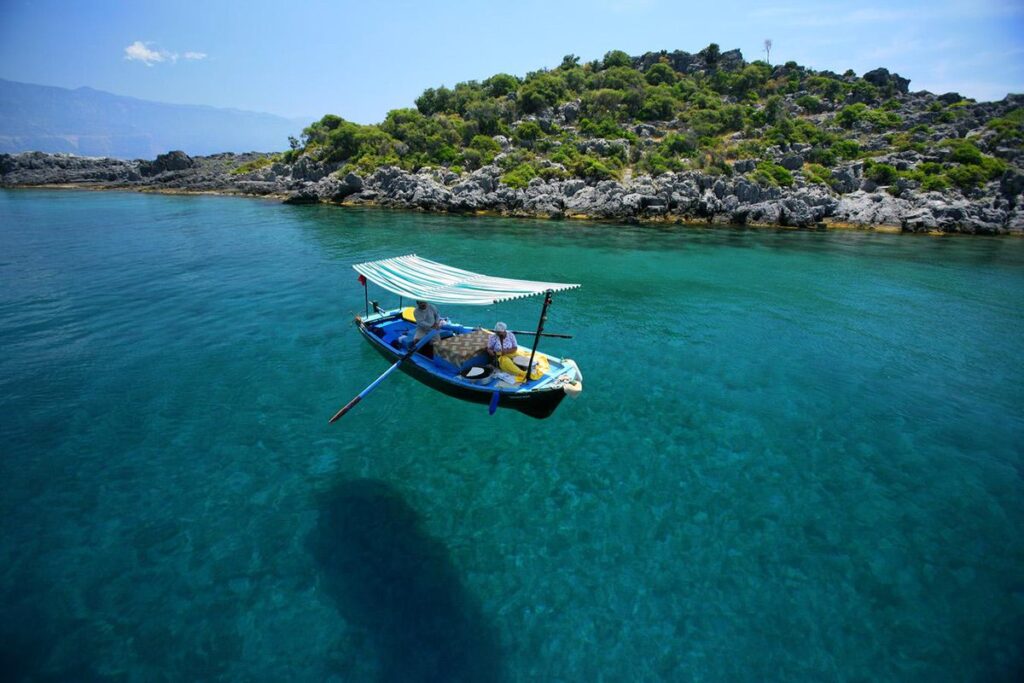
<point x="797" y="457"/>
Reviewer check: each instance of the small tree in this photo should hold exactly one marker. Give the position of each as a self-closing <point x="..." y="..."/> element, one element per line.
<point x="711" y="54"/>
<point x="768" y="50"/>
<point x="569" y="61"/>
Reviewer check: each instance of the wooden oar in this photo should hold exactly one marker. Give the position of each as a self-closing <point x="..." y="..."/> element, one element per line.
<point x="542" y="334"/>
<point x="532" y="334"/>
<point x="373" y="385"/>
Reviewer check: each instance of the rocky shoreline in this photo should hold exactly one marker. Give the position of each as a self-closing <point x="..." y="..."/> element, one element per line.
<point x="853" y="201"/>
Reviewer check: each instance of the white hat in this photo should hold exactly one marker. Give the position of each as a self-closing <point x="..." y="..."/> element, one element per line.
<point x="500" y="327"/>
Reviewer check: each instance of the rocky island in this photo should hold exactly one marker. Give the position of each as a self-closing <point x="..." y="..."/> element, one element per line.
<point x="666" y="136"/>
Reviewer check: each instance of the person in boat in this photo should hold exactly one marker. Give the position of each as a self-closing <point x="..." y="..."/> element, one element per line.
<point x="501" y="343"/>
<point x="427" y="318"/>
<point x="504" y="352"/>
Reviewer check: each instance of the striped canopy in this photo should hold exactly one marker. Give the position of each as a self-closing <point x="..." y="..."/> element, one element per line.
<point x="417" y="278"/>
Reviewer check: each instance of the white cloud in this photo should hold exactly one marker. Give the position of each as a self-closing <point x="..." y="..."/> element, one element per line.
<point x="142" y="52"/>
<point x="138" y="52"/>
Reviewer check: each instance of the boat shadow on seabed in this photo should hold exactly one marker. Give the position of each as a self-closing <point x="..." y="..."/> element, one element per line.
<point x="393" y="580"/>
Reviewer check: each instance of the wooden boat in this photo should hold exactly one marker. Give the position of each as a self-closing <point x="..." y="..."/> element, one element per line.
<point x="457" y="363"/>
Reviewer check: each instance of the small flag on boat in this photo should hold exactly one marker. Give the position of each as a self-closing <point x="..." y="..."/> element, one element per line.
<point x="362" y="280"/>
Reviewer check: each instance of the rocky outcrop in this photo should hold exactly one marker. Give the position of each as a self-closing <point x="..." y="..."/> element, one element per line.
<point x="881" y="78"/>
<point x="38" y="168"/>
<point x="164" y="163"/>
<point x="852" y="199"/>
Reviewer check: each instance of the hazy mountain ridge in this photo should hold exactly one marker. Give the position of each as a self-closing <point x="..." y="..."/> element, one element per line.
<point x="92" y="122"/>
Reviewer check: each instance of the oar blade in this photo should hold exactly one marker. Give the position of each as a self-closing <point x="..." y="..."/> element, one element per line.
<point x="494" y="403"/>
<point x="348" y="406"/>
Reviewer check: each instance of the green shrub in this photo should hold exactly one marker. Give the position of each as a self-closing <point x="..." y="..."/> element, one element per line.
<point x="592" y="168"/>
<point x="539" y="92"/>
<point x="810" y="104"/>
<point x="963" y="151"/>
<point x="1009" y="129"/>
<point x="934" y="183"/>
<point x="619" y="78"/>
<point x="485" y="145"/>
<point x="616" y="58"/>
<point x="823" y="156"/>
<point x="603" y="128"/>
<point x="255" y="165"/>
<point x="816" y="173"/>
<point x="656" y="164"/>
<point x="472" y="158"/>
<point x="433" y="101"/>
<point x="883" y="174"/>
<point x="851" y="114"/>
<point x="846" y="149"/>
<point x="526" y="133"/>
<point x="500" y="85"/>
<point x="520" y="176"/>
<point x="993" y="168"/>
<point x="658" y="74"/>
<point x="768" y="173"/>
<point x="882" y="119"/>
<point x="864" y="91"/>
<point x="903" y="141"/>
<point x="829" y="88"/>
<point x="773" y="110"/>
<point x="658" y="105"/>
<point x="678" y="144"/>
<point x="966" y="177"/>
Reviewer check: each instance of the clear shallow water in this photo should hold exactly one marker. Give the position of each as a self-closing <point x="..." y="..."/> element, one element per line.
<point x="797" y="455"/>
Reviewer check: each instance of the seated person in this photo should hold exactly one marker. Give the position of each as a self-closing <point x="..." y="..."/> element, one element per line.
<point x="502" y="347"/>
<point x="504" y="352"/>
<point x="501" y="343"/>
<point x="427" y="318"/>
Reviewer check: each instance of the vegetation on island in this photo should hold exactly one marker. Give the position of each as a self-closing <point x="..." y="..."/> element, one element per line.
<point x="622" y="116"/>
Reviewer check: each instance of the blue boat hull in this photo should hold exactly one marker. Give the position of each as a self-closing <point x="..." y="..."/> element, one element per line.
<point x="540" y="403"/>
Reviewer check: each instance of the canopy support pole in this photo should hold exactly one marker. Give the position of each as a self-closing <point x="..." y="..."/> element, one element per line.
<point x="540" y="328"/>
<point x="366" y="297"/>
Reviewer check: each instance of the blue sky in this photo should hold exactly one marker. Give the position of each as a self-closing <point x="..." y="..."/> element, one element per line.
<point x="358" y="59"/>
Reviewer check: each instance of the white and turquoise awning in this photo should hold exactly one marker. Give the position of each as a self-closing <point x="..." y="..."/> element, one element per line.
<point x="417" y="278"/>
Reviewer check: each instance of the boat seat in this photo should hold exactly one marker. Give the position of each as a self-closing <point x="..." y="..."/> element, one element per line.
<point x="461" y="347"/>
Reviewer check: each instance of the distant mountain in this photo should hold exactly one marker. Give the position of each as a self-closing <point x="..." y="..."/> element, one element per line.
<point x="96" y="123"/>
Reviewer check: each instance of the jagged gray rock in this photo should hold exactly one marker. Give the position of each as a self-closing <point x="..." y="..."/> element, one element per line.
<point x="687" y="195"/>
<point x="792" y="162"/>
<point x="172" y="161"/>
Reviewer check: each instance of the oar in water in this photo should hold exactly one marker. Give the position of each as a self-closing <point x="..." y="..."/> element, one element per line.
<point x="494" y="402"/>
<point x="373" y="385"/>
